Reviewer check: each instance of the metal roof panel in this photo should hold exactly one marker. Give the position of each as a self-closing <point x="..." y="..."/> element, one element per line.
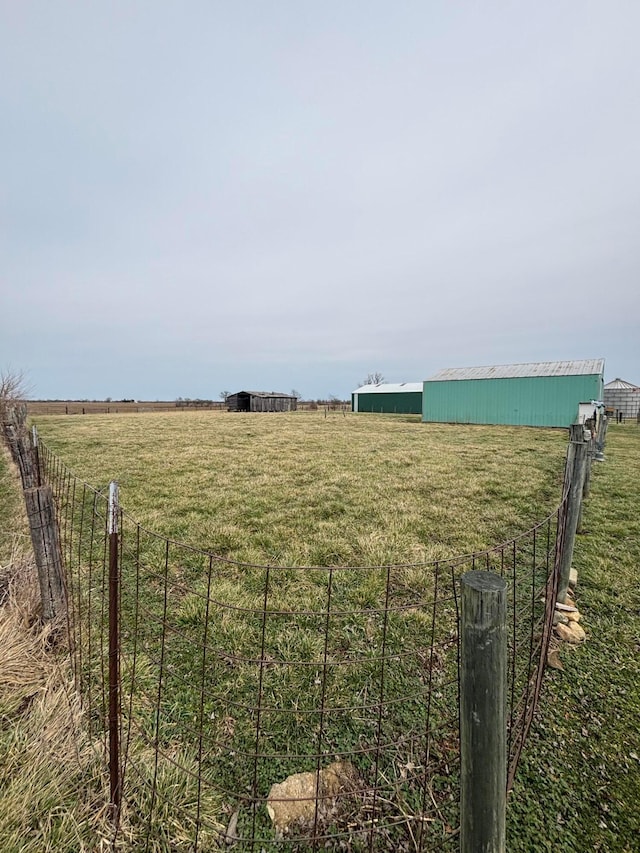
<point x="620" y="385"/>
<point x="261" y="394"/>
<point x="390" y="388"/>
<point x="586" y="367"/>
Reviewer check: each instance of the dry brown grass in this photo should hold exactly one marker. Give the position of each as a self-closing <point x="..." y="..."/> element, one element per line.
<point x="55" y="789"/>
<point x="14" y="532"/>
<point x="51" y="778"/>
<point x="22" y="670"/>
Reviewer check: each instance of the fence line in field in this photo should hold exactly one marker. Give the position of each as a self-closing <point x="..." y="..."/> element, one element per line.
<point x="208" y="680"/>
<point x="120" y="407"/>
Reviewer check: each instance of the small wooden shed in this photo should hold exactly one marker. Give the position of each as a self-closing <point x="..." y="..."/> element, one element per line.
<point x="261" y="401"/>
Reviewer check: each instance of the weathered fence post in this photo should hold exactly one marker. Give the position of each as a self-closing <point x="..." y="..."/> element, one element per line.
<point x="586" y="478"/>
<point x="45" y="538"/>
<point x="483" y="732"/>
<point x="114" y="669"/>
<point x="41" y="512"/>
<point x="574" y="483"/>
<point x="22" y="450"/>
<point x="601" y="436"/>
<point x="41" y="515"/>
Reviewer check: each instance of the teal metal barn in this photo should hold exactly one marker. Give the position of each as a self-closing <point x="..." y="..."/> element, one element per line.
<point x="539" y="394"/>
<point x="404" y="398"/>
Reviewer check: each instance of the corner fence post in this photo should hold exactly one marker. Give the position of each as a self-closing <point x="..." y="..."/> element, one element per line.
<point x="574" y="482"/>
<point x="483" y="723"/>
<point x="114" y="674"/>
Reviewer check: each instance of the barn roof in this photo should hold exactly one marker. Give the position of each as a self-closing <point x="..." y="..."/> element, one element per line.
<point x="620" y="385"/>
<point x="389" y="388"/>
<point x="585" y="367"/>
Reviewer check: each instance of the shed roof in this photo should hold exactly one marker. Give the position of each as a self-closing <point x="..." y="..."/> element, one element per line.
<point x="620" y="385"/>
<point x="586" y="367"/>
<point x="262" y="394"/>
<point x="390" y="388"/>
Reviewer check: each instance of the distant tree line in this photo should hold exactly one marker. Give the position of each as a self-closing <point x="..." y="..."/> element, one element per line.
<point x="195" y="403"/>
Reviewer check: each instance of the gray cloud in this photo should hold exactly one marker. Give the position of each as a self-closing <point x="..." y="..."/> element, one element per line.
<point x="287" y="196"/>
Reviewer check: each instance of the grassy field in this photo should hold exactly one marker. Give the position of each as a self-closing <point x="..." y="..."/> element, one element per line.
<point x="115" y="407"/>
<point x="304" y="489"/>
<point x="308" y="490"/>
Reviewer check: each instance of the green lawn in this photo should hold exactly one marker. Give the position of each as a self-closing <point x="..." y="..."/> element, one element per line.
<point x="578" y="785"/>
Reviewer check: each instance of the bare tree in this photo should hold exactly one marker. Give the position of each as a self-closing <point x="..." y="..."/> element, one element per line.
<point x="14" y="389"/>
<point x="223" y="395"/>
<point x="296" y="394"/>
<point x="374" y="378"/>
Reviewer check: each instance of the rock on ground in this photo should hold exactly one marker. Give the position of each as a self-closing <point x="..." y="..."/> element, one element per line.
<point x="292" y="803"/>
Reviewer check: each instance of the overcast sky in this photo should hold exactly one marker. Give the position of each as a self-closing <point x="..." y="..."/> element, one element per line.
<point x="208" y="196"/>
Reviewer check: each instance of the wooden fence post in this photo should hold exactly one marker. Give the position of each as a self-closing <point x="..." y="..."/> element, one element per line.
<point x="591" y="449"/>
<point x="483" y="724"/>
<point x="574" y="483"/>
<point x="601" y="436"/>
<point x="586" y="478"/>
<point x="22" y="450"/>
<point x="43" y="525"/>
<point x="41" y="513"/>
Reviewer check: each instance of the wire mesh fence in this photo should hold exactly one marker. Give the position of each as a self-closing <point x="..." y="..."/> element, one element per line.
<point x="307" y="707"/>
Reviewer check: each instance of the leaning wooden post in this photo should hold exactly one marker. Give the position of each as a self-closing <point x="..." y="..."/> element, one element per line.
<point x="114" y="674"/>
<point x="574" y="480"/>
<point x="483" y="723"/>
<point x="45" y="538"/>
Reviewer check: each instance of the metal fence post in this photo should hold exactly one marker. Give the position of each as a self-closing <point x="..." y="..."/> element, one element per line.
<point x="574" y="480"/>
<point x="114" y="669"/>
<point x="36" y="454"/>
<point x="483" y="734"/>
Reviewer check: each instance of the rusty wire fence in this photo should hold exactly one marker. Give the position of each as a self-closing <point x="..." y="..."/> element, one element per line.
<point x="233" y="677"/>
